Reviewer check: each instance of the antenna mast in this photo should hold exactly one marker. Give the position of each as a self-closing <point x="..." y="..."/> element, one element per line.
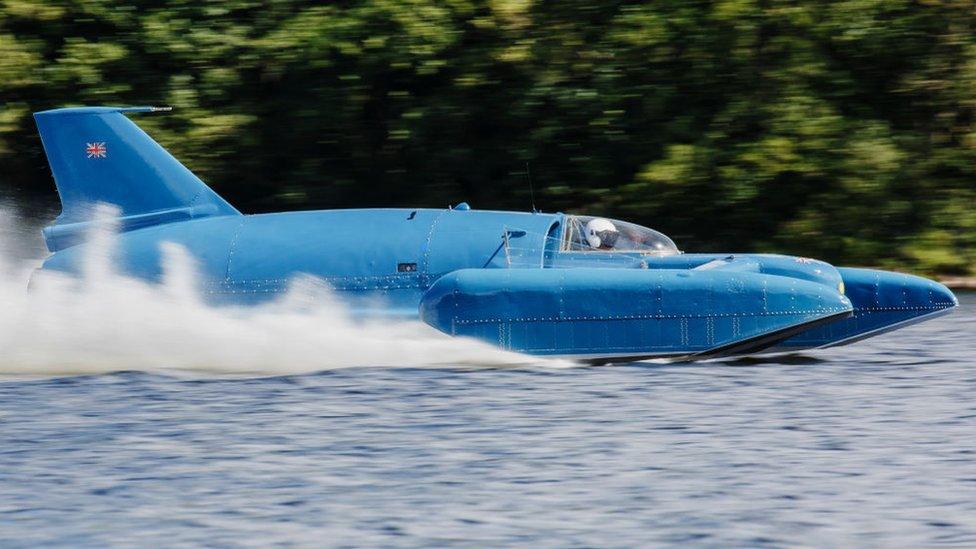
<point x="528" y="174"/>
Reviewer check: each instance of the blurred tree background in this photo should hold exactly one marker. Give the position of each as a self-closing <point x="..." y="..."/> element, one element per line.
<point x="839" y="129"/>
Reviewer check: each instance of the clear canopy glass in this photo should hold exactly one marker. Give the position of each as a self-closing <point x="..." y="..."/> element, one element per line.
<point x="629" y="237"/>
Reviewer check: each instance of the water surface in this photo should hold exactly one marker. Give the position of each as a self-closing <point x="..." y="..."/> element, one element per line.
<point x="871" y="444"/>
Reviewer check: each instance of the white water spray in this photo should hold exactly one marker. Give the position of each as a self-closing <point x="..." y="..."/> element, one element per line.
<point x="102" y="321"/>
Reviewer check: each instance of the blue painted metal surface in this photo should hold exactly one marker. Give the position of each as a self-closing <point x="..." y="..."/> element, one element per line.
<point x="97" y="155"/>
<point x="882" y="301"/>
<point x="596" y="312"/>
<point x="523" y="281"/>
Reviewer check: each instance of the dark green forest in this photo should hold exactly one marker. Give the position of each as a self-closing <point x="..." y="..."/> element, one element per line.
<point x="844" y="130"/>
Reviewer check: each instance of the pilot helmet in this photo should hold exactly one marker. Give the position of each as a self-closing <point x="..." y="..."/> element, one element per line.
<point x="601" y="233"/>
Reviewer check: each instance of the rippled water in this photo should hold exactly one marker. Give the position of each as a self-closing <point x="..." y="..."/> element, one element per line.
<point x="869" y="445"/>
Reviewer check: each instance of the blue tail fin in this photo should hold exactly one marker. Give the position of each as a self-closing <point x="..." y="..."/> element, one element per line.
<point x="98" y="155"/>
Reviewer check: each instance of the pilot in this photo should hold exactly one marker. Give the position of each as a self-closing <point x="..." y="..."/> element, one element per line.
<point x="601" y="234"/>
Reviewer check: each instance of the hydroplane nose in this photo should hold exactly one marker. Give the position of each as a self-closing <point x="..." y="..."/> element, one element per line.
<point x="872" y="290"/>
<point x="883" y="301"/>
<point x="941" y="296"/>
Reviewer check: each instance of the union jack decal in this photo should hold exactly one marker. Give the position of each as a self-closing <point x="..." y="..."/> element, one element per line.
<point x="96" y="150"/>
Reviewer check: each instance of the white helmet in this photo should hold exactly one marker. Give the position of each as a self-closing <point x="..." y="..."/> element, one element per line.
<point x="601" y="232"/>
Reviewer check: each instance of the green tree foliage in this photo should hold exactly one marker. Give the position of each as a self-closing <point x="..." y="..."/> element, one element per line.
<point x="843" y="129"/>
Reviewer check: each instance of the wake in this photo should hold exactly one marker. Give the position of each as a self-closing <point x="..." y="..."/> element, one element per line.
<point x="103" y="321"/>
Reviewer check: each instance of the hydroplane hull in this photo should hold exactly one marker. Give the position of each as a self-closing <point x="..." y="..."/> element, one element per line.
<point x="546" y="284"/>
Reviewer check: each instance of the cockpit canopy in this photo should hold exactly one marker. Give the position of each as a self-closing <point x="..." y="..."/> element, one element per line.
<point x="631" y="238"/>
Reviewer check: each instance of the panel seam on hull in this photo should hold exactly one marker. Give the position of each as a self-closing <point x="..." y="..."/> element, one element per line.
<point x="934" y="307"/>
<point x="233" y="246"/>
<point x="645" y="317"/>
<point x="430" y="236"/>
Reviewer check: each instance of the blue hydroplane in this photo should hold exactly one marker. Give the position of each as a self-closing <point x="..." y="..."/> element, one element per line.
<point x="577" y="286"/>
